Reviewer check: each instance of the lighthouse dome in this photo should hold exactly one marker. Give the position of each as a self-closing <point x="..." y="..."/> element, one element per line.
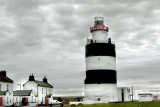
<point x="99" y="17"/>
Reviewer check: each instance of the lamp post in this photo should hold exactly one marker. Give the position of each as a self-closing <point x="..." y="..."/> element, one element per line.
<point x="132" y="92"/>
<point x="20" y="96"/>
<point x="20" y="86"/>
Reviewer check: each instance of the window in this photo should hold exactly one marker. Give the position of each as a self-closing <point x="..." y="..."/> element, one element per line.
<point x="98" y="22"/>
<point x="35" y="100"/>
<point x="10" y="101"/>
<point x="7" y="86"/>
<point x="42" y="99"/>
<point x="46" y="90"/>
<point x="32" y="98"/>
<point x="7" y="99"/>
<point x="16" y="100"/>
<point x="49" y="91"/>
<point x="0" y="87"/>
<point x="42" y="90"/>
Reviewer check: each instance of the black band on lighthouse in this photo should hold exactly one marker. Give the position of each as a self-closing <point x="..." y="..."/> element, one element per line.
<point x="101" y="76"/>
<point x="100" y="49"/>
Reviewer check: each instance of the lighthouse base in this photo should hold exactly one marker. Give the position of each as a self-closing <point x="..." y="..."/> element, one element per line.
<point x="101" y="92"/>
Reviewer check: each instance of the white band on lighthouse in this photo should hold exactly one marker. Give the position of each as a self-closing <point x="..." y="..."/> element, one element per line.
<point x="100" y="62"/>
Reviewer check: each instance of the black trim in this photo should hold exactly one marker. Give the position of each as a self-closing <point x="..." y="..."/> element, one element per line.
<point x="100" y="49"/>
<point x="101" y="76"/>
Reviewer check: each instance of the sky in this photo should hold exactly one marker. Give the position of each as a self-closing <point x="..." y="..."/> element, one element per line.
<point x="47" y="38"/>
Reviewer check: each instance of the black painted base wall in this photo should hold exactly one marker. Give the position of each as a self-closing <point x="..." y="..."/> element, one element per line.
<point x="101" y="76"/>
<point x="100" y="49"/>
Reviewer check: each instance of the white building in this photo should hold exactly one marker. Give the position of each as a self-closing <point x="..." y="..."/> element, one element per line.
<point x="6" y="89"/>
<point x="42" y="89"/>
<point x="124" y="94"/>
<point x="25" y="97"/>
<point x="145" y="97"/>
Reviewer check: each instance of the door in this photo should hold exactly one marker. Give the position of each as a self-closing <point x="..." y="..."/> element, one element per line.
<point x="122" y="94"/>
<point x="46" y="101"/>
<point x="26" y="100"/>
<point x="1" y="101"/>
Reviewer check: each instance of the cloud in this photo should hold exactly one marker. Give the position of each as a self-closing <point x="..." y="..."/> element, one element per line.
<point x="47" y="38"/>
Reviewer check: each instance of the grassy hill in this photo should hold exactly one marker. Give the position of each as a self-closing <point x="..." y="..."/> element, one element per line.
<point x="126" y="104"/>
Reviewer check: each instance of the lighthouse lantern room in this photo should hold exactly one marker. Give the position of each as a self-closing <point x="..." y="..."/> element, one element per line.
<point x="101" y="78"/>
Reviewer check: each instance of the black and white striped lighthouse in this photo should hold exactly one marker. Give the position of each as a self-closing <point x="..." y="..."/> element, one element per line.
<point x="101" y="78"/>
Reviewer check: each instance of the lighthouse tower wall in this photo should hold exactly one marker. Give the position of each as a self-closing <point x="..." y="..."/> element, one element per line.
<point x="101" y="38"/>
<point x="101" y="77"/>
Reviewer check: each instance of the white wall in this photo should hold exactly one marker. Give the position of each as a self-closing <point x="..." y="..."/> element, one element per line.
<point x="107" y="92"/>
<point x="31" y="85"/>
<point x="100" y="36"/>
<point x="16" y="99"/>
<point x="43" y="94"/>
<point x="101" y="62"/>
<point x="145" y="98"/>
<point x="8" y="99"/>
<point x="9" y="95"/>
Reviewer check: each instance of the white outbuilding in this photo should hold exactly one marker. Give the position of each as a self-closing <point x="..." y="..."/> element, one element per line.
<point x="145" y="97"/>
<point x="24" y="97"/>
<point x="42" y="89"/>
<point x="6" y="89"/>
<point x="124" y="94"/>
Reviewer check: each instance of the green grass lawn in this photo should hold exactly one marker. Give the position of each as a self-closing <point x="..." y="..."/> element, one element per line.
<point x="126" y="104"/>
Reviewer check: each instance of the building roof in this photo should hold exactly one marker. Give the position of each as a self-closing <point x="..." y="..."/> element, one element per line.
<point x="5" y="79"/>
<point x="123" y="87"/>
<point x="145" y="94"/>
<point x="3" y="92"/>
<point x="43" y="84"/>
<point x="22" y="92"/>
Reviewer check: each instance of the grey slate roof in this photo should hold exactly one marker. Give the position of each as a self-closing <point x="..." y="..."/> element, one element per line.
<point x="44" y="84"/>
<point x="3" y="92"/>
<point x="22" y="92"/>
<point x="145" y="94"/>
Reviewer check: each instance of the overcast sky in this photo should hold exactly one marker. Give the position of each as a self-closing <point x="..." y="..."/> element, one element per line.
<point x="47" y="38"/>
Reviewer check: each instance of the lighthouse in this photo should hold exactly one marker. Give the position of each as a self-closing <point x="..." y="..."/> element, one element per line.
<point x="100" y="57"/>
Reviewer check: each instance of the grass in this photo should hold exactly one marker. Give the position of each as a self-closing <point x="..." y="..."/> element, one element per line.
<point x="126" y="104"/>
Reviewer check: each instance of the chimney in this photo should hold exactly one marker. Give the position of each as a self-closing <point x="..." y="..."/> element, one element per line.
<point x="109" y="40"/>
<point x="3" y="73"/>
<point x="45" y="79"/>
<point x="31" y="77"/>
